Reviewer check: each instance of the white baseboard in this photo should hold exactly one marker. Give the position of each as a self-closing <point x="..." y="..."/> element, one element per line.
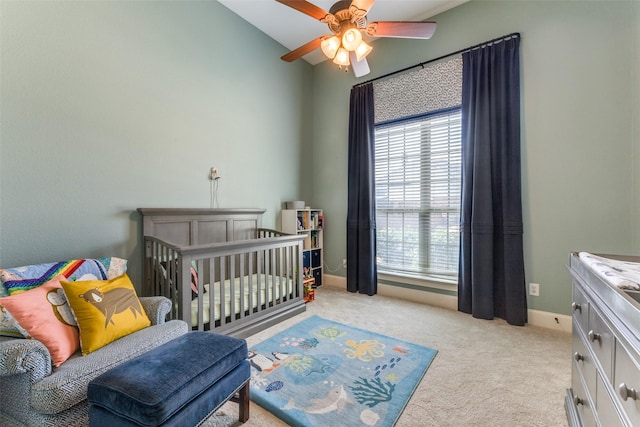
<point x="334" y="281"/>
<point x="544" y="319"/>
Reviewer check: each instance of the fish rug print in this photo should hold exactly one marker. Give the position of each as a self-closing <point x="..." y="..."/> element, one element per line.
<point x="323" y="373"/>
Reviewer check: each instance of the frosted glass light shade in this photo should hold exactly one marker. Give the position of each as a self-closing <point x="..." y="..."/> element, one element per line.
<point x="363" y="50"/>
<point x="330" y="46"/>
<point x="342" y="57"/>
<point x="351" y="39"/>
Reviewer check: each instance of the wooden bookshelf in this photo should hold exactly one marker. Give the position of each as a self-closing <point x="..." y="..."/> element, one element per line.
<point x="309" y="222"/>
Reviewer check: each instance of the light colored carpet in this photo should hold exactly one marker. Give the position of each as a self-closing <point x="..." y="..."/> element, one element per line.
<point x="486" y="373"/>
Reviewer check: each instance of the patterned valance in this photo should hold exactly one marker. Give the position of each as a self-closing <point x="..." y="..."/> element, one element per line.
<point x="435" y="87"/>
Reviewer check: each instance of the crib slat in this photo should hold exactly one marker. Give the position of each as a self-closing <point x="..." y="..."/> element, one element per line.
<point x="212" y="293"/>
<point x="252" y="282"/>
<point x="232" y="287"/>
<point x="200" y="293"/>
<point x="287" y="272"/>
<point x="276" y="274"/>
<point x="183" y="283"/>
<point x="242" y="275"/>
<point x="259" y="281"/>
<point x="272" y="274"/>
<point x="223" y="295"/>
<point x="268" y="297"/>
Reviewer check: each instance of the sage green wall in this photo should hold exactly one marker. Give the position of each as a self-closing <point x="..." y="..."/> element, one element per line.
<point x="110" y="106"/>
<point x="636" y="126"/>
<point x="580" y="103"/>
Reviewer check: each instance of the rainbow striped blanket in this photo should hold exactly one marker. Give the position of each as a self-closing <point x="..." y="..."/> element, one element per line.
<point x="21" y="279"/>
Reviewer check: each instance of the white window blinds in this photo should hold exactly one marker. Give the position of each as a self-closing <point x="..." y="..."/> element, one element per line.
<point x="417" y="174"/>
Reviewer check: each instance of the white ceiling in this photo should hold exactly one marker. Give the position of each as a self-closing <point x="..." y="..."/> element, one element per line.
<point x="292" y="29"/>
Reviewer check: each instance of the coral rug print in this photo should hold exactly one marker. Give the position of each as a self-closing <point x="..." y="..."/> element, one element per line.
<point x="323" y="373"/>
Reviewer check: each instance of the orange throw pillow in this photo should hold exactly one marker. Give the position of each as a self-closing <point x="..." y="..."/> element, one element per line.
<point x="44" y="314"/>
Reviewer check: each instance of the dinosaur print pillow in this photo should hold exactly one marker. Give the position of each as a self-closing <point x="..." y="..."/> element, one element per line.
<point x="42" y="314"/>
<point x="105" y="310"/>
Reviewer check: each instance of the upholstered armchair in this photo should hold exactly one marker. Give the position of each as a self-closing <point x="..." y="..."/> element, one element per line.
<point x="35" y="393"/>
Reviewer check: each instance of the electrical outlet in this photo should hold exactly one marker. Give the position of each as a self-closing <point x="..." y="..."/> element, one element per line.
<point x="344" y="263"/>
<point x="534" y="289"/>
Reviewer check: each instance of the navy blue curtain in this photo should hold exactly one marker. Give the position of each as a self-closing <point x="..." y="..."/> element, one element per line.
<point x="491" y="274"/>
<point x="362" y="272"/>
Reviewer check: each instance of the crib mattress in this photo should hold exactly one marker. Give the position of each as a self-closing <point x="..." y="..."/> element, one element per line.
<point x="263" y="284"/>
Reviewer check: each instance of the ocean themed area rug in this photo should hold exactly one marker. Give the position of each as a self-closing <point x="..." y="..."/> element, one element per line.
<point x="323" y="373"/>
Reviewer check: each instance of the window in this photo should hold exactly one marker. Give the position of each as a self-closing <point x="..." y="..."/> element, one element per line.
<point x="417" y="174"/>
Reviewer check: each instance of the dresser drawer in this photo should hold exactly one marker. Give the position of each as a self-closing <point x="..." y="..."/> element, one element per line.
<point x="580" y="307"/>
<point x="581" y="399"/>
<point x="601" y="340"/>
<point x="605" y="407"/>
<point x="582" y="359"/>
<point x="627" y="383"/>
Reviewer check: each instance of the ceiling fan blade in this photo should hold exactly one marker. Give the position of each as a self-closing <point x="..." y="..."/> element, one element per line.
<point x="307" y="8"/>
<point x="303" y="50"/>
<point x="360" y="68"/>
<point x="402" y="29"/>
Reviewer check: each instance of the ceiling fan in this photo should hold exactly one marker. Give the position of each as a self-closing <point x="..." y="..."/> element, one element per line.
<point x="347" y="20"/>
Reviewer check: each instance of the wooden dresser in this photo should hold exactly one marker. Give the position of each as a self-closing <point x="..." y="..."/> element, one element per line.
<point x="605" y="377"/>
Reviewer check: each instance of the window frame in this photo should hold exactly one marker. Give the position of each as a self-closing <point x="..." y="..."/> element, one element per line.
<point x="427" y="271"/>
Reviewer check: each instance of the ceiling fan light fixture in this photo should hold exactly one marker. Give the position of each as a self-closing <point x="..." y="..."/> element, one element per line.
<point x="347" y="20"/>
<point x="351" y="39"/>
<point x="330" y="46"/>
<point x="342" y="57"/>
<point x="363" y="50"/>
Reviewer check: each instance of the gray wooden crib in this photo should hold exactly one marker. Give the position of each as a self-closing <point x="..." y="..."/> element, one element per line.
<point x="221" y="270"/>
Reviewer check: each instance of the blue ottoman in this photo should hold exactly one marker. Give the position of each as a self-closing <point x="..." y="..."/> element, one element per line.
<point x="177" y="384"/>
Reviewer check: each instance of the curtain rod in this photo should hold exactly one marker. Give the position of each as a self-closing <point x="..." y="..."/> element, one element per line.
<point x="458" y="52"/>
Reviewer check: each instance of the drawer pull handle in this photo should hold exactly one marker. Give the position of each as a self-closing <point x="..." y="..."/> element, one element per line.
<point x="575" y="306"/>
<point x="578" y="357"/>
<point x="593" y="336"/>
<point x="577" y="401"/>
<point x="627" y="393"/>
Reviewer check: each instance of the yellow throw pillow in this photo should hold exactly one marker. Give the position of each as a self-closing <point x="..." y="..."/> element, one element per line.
<point x="105" y="310"/>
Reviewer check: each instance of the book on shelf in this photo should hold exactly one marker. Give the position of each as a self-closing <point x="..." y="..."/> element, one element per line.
<point x="303" y="221"/>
